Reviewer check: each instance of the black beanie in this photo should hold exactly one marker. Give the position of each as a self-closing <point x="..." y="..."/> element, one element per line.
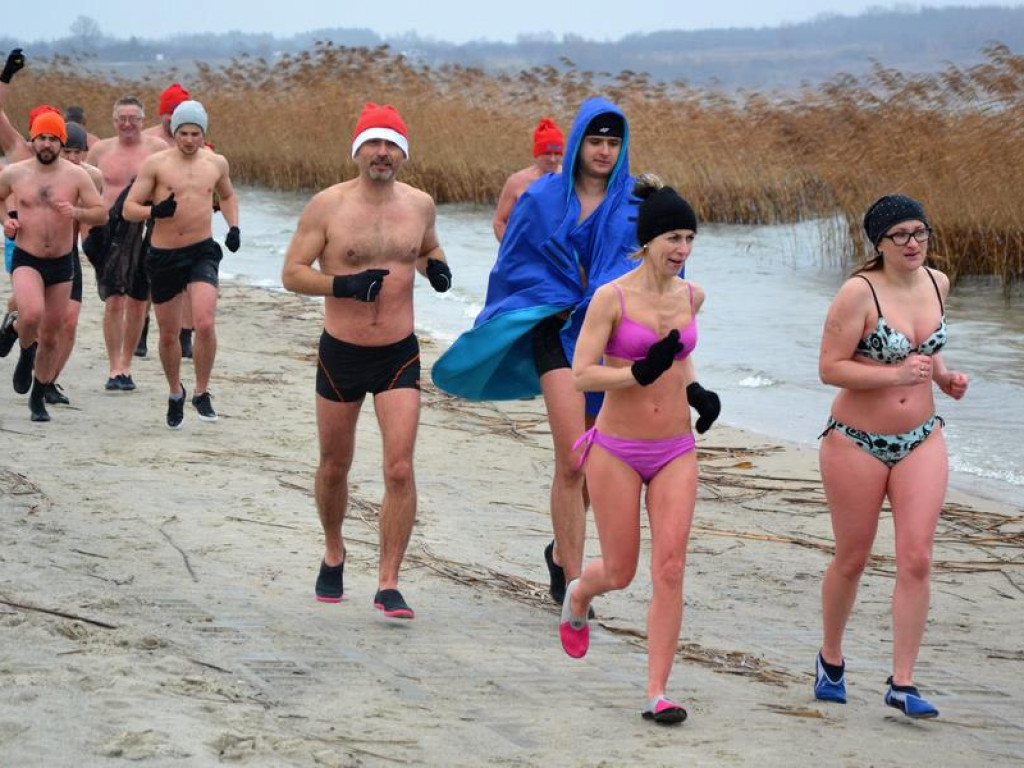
<point x="663" y="210"/>
<point x="607" y="124"/>
<point x="886" y="212"/>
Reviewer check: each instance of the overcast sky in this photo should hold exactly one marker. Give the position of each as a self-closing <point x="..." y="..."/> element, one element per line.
<point x="451" y="21"/>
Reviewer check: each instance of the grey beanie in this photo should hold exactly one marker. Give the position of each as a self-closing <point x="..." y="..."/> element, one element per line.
<point x="77" y="137"/>
<point x="189" y="113"/>
<point x="886" y="212"/>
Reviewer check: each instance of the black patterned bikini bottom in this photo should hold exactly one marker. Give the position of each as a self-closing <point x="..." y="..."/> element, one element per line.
<point x="889" y="449"/>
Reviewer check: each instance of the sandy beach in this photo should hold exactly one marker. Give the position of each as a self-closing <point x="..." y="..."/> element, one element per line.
<point x="156" y="592"/>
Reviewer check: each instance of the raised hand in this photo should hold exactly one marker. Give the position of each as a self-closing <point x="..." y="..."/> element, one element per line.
<point x="15" y="63"/>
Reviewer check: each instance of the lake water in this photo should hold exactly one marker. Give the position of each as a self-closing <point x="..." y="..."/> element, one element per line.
<point x="768" y="290"/>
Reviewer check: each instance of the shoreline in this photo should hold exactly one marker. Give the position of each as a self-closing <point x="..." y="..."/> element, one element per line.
<point x="198" y="549"/>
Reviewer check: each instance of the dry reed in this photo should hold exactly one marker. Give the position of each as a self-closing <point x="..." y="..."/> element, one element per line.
<point x="951" y="139"/>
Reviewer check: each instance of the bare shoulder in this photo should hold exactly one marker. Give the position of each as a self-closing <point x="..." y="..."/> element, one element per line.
<point x="154" y="144"/>
<point x="698" y="293"/>
<point x="853" y="296"/>
<point x="326" y="202"/>
<point x="416" y="197"/>
<point x="101" y="148"/>
<point x="941" y="279"/>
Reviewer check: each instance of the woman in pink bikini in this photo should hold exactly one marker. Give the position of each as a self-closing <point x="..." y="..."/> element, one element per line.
<point x="881" y="348"/>
<point x="644" y="327"/>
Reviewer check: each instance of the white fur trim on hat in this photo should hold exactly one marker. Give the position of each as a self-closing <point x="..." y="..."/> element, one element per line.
<point x="388" y="134"/>
<point x="189" y="113"/>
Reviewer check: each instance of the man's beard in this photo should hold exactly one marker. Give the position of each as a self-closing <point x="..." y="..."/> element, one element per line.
<point x="383" y="175"/>
<point x="46" y="156"/>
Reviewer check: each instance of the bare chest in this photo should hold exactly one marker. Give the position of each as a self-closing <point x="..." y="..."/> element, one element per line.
<point x="119" y="167"/>
<point x="361" y="237"/>
<point x="195" y="178"/>
<point x="35" y="192"/>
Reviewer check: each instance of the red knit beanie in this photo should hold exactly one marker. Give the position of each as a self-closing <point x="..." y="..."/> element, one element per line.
<point x="172" y="97"/>
<point x="37" y="111"/>
<point x="547" y="139"/>
<point x="380" y="122"/>
<point x="51" y="124"/>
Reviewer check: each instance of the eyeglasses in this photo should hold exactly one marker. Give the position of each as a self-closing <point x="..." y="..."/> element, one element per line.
<point x="126" y="119"/>
<point x="902" y="238"/>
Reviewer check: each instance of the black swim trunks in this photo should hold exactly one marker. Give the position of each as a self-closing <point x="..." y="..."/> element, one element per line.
<point x="76" y="280"/>
<point x="53" y="271"/>
<point x="172" y="269"/>
<point x="346" y="372"/>
<point x="548" y="352"/>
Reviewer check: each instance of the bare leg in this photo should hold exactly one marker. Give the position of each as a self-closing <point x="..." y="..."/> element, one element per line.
<point x="917" y="487"/>
<point x="203" y="299"/>
<point x="565" y="407"/>
<point x="615" y="490"/>
<point x="113" y="332"/>
<point x="168" y="319"/>
<point x="134" y="318"/>
<point x="336" y="426"/>
<point x="854" y="484"/>
<point x="671" y="498"/>
<point x="68" y="332"/>
<point x="55" y="307"/>
<point x="398" y="416"/>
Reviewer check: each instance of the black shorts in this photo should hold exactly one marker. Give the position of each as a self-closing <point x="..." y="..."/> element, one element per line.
<point x="76" y="279"/>
<point x="122" y="270"/>
<point x="346" y="372"/>
<point x="548" y="352"/>
<point x="53" y="271"/>
<point x="172" y="269"/>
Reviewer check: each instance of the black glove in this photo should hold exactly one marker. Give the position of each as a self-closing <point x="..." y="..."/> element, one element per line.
<point x="15" y="61"/>
<point x="362" y="286"/>
<point x="659" y="358"/>
<point x="707" y="404"/>
<point x="439" y="275"/>
<point x="234" y="239"/>
<point x="165" y="208"/>
<point x="12" y="215"/>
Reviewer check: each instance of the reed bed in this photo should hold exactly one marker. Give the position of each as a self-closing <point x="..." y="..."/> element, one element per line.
<point x="951" y="139"/>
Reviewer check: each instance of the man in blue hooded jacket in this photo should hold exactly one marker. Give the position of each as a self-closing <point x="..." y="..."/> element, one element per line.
<point x="569" y="233"/>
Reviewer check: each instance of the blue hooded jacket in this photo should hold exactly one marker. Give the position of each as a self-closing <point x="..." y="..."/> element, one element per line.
<point x="537" y="274"/>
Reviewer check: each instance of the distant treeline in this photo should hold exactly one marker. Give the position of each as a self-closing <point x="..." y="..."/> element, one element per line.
<point x="784" y="58"/>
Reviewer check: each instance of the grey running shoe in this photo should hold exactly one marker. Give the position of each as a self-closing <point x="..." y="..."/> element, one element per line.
<point x="176" y="410"/>
<point x="204" y="406"/>
<point x="8" y="334"/>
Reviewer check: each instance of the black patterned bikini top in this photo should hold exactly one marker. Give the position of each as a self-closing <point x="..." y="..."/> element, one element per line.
<point x="887" y="345"/>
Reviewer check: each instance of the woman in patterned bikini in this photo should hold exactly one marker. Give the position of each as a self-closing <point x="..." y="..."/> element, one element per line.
<point x="880" y="347"/>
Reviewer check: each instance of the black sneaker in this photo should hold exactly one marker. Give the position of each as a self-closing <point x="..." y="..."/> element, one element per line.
<point x="204" y="406"/>
<point x="23" y="370"/>
<point x="186" y="343"/>
<point x="54" y="395"/>
<point x="176" y="410"/>
<point x="113" y="384"/>
<point x="141" y="350"/>
<point x="8" y="334"/>
<point x="36" y="401"/>
<point x="127" y="384"/>
<point x="556" y="573"/>
<point x="330" y="583"/>
<point x="391" y="603"/>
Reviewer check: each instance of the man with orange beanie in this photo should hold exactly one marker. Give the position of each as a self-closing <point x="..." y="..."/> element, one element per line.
<point x="548" y="148"/>
<point x="370" y="235"/>
<point x="52" y="195"/>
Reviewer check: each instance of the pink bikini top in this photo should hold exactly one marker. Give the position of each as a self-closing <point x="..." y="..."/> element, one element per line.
<point x="631" y="339"/>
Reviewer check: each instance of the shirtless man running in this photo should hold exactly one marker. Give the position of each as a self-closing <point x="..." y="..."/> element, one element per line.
<point x="123" y="284"/>
<point x="52" y="195"/>
<point x="548" y="148"/>
<point x="370" y="235"/>
<point x="183" y="254"/>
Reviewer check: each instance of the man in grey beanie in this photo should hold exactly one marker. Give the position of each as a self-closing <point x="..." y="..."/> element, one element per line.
<point x="183" y="257"/>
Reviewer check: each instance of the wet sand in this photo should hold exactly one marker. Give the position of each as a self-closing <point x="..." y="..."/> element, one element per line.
<point x="156" y="593"/>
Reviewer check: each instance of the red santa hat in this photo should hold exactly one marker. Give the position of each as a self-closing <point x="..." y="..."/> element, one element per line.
<point x="172" y="96"/>
<point x="380" y="122"/>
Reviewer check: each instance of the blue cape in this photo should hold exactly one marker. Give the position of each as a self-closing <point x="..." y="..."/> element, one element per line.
<point x="537" y="274"/>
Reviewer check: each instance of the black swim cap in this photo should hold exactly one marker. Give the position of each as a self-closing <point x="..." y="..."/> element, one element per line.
<point x="886" y="212"/>
<point x="77" y="137"/>
<point x="661" y="211"/>
<point x="607" y="125"/>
